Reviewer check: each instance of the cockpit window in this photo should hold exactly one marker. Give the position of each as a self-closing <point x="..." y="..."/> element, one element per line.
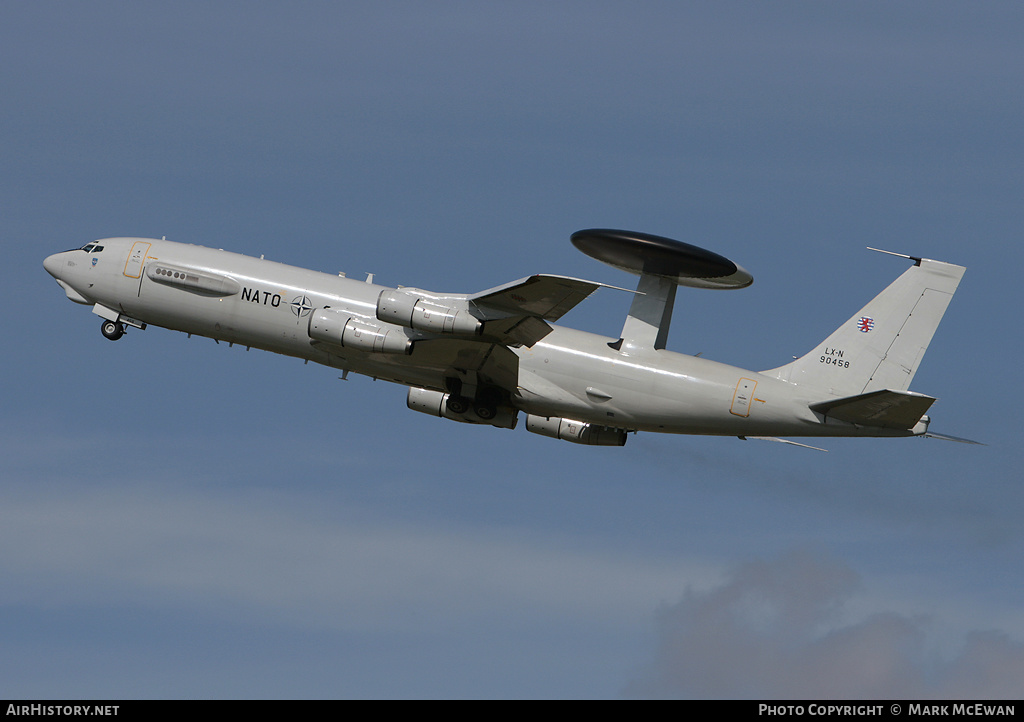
<point x="92" y="248"/>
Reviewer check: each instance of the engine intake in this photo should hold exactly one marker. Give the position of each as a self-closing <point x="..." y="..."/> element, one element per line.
<point x="411" y="311"/>
<point x="342" y="329"/>
<point x="578" y="432"/>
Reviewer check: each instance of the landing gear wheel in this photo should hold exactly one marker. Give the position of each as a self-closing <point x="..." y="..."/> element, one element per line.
<point x="112" y="330"/>
<point x="485" y="411"/>
<point x="457" y="404"/>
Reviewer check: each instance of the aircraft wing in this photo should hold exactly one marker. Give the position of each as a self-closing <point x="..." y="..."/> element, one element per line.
<point x="544" y="296"/>
<point x="516" y="330"/>
<point x="517" y="312"/>
<point x="514" y="314"/>
<point x="494" y="363"/>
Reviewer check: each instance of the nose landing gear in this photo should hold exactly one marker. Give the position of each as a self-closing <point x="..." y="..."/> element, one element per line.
<point x="112" y="330"/>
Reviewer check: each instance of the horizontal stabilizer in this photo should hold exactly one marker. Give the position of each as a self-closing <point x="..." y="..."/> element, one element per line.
<point x="886" y="408"/>
<point x="958" y="439"/>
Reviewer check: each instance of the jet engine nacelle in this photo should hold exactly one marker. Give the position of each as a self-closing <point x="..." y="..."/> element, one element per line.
<point x="342" y="329"/>
<point x="412" y="311"/>
<point x="435" y="403"/>
<point x="578" y="432"/>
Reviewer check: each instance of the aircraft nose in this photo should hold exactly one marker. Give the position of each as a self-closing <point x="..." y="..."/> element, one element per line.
<point x="53" y="265"/>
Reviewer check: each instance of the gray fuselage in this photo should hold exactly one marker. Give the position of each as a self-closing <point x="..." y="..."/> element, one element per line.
<point x="568" y="373"/>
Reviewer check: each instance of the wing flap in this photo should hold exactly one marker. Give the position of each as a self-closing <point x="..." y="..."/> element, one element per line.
<point x="886" y="408"/>
<point x="494" y="363"/>
<point x="517" y="330"/>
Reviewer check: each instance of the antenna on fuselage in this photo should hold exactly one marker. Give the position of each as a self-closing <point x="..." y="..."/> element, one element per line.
<point x="663" y="265"/>
<point x="915" y="259"/>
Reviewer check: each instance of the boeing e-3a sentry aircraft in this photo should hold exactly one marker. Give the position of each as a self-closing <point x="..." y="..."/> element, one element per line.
<point x="485" y="357"/>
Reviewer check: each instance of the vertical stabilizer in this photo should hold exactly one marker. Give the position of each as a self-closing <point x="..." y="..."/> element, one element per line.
<point x="881" y="346"/>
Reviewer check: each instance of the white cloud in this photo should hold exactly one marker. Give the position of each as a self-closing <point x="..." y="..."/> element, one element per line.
<point x="775" y="629"/>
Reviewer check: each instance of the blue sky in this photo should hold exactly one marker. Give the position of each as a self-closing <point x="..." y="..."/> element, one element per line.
<point x="182" y="519"/>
